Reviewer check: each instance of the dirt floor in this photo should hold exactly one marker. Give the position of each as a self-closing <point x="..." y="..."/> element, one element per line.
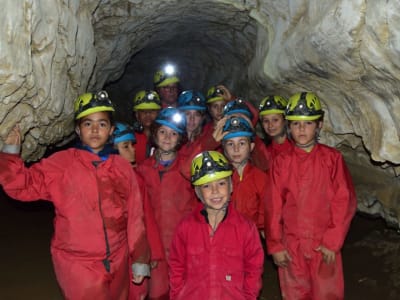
<point x="371" y="257"/>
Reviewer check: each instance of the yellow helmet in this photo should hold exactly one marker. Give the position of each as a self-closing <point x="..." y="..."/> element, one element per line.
<point x="90" y="103"/>
<point x="146" y="100"/>
<point x="215" y="94"/>
<point x="165" y="77"/>
<point x="209" y="166"/>
<point x="304" y="106"/>
<point x="272" y="105"/>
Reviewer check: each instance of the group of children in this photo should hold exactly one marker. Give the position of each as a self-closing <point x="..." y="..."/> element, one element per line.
<point x="180" y="203"/>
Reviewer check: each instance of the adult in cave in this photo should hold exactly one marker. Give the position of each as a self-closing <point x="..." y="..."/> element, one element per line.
<point x="167" y="84"/>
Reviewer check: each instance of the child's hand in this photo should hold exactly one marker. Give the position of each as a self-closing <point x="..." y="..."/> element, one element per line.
<point x="327" y="255"/>
<point x="218" y="133"/>
<point x="14" y="136"/>
<point x="137" y="279"/>
<point x="281" y="258"/>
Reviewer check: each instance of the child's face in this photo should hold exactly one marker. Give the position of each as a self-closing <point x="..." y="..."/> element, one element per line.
<point x="94" y="130"/>
<point x="194" y="120"/>
<point x="167" y="138"/>
<point x="273" y="124"/>
<point x="146" y="117"/>
<point x="238" y="149"/>
<point x="304" y="132"/>
<point x="216" y="193"/>
<point x="127" y="150"/>
<point x="216" y="110"/>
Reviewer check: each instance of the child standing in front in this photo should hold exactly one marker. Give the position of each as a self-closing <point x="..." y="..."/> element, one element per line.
<point x="311" y="207"/>
<point x="98" y="220"/>
<point x="216" y="252"/>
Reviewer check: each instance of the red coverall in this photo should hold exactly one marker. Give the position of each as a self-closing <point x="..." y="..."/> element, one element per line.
<point x="140" y="291"/>
<point x="98" y="219"/>
<point x="312" y="204"/>
<point x="172" y="197"/>
<point x="225" y="266"/>
<point x="249" y="193"/>
<point x="141" y="147"/>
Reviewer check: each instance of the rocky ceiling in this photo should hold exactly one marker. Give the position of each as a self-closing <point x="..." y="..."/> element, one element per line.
<point x="346" y="51"/>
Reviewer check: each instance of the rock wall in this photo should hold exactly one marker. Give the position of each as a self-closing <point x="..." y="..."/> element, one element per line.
<point x="346" y="51"/>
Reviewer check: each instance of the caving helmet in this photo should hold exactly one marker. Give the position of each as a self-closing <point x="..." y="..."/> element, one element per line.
<point x="272" y="105"/>
<point x="237" y="106"/>
<point x="304" y="106"/>
<point x="191" y="100"/>
<point x="165" y="76"/>
<point x="146" y="99"/>
<point x="172" y="118"/>
<point x="209" y="166"/>
<point x="90" y="103"/>
<point x="122" y="133"/>
<point x="215" y="94"/>
<point x="237" y="127"/>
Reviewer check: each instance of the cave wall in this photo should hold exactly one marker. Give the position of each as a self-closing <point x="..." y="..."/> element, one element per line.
<point x="345" y="50"/>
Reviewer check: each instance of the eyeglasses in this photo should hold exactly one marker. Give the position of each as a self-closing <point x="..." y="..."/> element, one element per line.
<point x="171" y="88"/>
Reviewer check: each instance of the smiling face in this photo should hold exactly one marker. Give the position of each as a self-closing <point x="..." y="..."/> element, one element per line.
<point x="94" y="130"/>
<point x="304" y="133"/>
<point x="166" y="138"/>
<point x="215" y="194"/>
<point x="273" y="124"/>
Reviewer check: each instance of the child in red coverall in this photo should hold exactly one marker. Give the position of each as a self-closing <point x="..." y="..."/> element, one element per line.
<point x="124" y="141"/>
<point x="310" y="209"/>
<point x="272" y="119"/>
<point x="171" y="194"/>
<point x="216" y="252"/>
<point x="98" y="220"/>
<point x="249" y="182"/>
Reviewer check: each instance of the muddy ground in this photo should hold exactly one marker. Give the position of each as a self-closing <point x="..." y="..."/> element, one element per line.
<point x="371" y="257"/>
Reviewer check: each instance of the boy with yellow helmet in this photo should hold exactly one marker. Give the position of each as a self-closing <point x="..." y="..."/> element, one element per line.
<point x="216" y="252"/>
<point x="98" y="219"/>
<point x="311" y="207"/>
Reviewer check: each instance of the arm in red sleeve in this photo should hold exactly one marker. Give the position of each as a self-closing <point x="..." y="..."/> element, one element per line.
<point x="176" y="263"/>
<point x="273" y="211"/>
<point x="343" y="206"/>
<point x="253" y="264"/>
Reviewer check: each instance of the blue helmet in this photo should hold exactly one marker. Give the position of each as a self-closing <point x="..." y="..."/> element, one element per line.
<point x="192" y="100"/>
<point x="172" y="118"/>
<point x="237" y="127"/>
<point x="237" y="106"/>
<point x="122" y="133"/>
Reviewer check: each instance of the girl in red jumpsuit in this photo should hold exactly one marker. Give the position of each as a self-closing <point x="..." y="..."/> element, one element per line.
<point x="98" y="220"/>
<point x="216" y="252"/>
<point x="311" y="207"/>
<point x="272" y="119"/>
<point x="146" y="106"/>
<point x="171" y="194"/>
<point x="124" y="141"/>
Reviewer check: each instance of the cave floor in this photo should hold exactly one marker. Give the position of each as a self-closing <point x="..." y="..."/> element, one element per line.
<point x="371" y="257"/>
